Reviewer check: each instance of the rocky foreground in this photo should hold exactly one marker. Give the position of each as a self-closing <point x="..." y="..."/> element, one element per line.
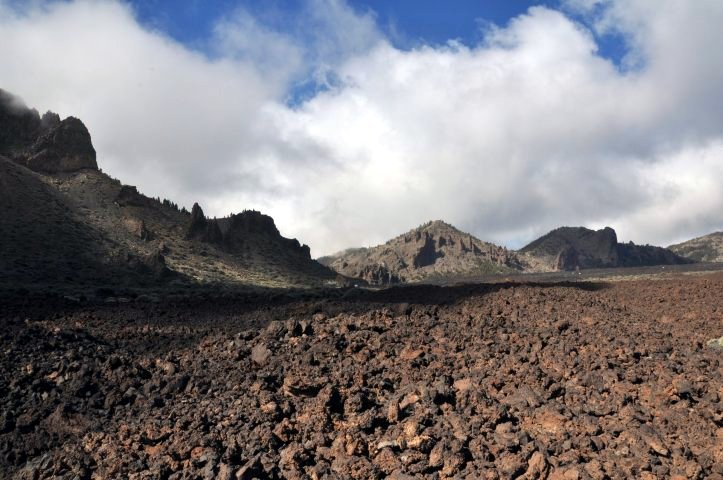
<point x="509" y="381"/>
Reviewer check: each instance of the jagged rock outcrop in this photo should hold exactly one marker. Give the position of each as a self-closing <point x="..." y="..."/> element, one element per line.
<point x="249" y="233"/>
<point x="379" y="274"/>
<point x="137" y="227"/>
<point x="434" y="250"/>
<point x="708" y="248"/>
<point x="128" y="196"/>
<point x="44" y="144"/>
<point x="570" y="248"/>
<point x="202" y="229"/>
<point x="65" y="147"/>
<point x="19" y="125"/>
<point x="242" y="230"/>
<point x="632" y="255"/>
<point x="153" y="264"/>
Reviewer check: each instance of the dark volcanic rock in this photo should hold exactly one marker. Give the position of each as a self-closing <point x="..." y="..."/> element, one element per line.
<point x="567" y="259"/>
<point x="65" y="147"/>
<point x="128" y="195"/>
<point x="200" y="228"/>
<point x="569" y="248"/>
<point x="238" y="230"/>
<point x="243" y="232"/>
<point x="475" y="381"/>
<point x="632" y="255"/>
<point x="46" y="144"/>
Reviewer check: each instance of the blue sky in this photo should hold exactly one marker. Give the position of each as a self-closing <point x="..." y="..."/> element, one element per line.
<point x="430" y="21"/>
<point x="407" y="23"/>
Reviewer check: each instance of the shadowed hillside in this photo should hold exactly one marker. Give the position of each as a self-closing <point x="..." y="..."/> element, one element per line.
<point x="64" y="221"/>
<point x="44" y="241"/>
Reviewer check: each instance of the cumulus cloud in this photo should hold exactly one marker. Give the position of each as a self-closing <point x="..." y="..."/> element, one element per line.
<point x="528" y="130"/>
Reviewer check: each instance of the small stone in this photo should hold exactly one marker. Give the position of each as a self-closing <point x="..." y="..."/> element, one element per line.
<point x="683" y="387"/>
<point x="260" y="354"/>
<point x="463" y="384"/>
<point x="249" y="470"/>
<point x="393" y="412"/>
<point x="224" y="472"/>
<point x="423" y="443"/>
<point x="436" y="456"/>
<point x="653" y="441"/>
<point x="536" y="466"/>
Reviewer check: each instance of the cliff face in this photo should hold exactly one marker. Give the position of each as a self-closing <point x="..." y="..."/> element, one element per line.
<point x="435" y="249"/>
<point x="569" y="248"/>
<point x="44" y="144"/>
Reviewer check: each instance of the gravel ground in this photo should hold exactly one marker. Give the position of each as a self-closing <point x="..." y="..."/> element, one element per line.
<point x="561" y="381"/>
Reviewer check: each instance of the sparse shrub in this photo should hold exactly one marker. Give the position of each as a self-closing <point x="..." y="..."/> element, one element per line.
<point x="716" y="343"/>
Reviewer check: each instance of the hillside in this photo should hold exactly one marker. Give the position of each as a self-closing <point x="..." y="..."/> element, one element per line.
<point x="44" y="241"/>
<point x="569" y="248"/>
<point x="708" y="248"/>
<point x="435" y="249"/>
<point x="64" y="221"/>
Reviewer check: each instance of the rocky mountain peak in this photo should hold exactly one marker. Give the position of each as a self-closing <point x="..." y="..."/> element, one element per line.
<point x="435" y="248"/>
<point x="200" y="228"/>
<point x="569" y="248"/>
<point x="44" y="144"/>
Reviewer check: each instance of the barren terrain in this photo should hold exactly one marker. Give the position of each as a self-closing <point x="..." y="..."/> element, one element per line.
<point x="514" y="380"/>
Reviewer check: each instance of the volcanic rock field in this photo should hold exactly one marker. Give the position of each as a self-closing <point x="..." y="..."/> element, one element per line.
<point x="560" y="380"/>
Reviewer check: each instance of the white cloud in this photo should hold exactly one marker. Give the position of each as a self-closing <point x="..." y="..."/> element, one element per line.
<point x="684" y="198"/>
<point x="527" y="131"/>
<point x="243" y="38"/>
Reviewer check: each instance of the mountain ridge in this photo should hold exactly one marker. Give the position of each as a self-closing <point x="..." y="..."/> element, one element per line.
<point x="105" y="224"/>
<point x="437" y="249"/>
<point x="570" y="248"/>
<point x="65" y="222"/>
<point x="706" y="248"/>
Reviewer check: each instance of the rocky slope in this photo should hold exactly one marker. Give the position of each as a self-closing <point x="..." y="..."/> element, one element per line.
<point x="708" y="248"/>
<point x="435" y="249"/>
<point x="64" y="222"/>
<point x="569" y="248"/>
<point x="44" y="242"/>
